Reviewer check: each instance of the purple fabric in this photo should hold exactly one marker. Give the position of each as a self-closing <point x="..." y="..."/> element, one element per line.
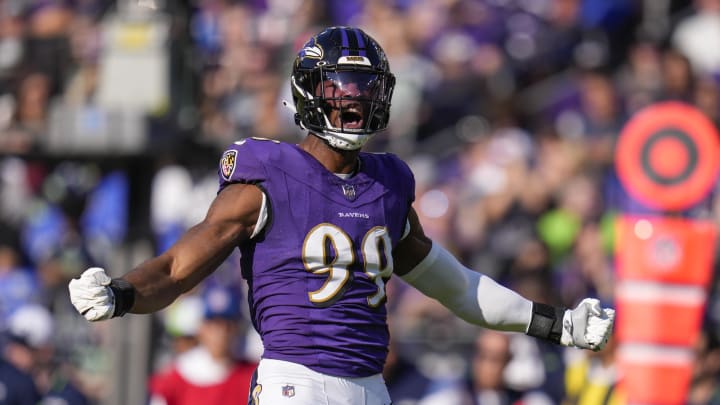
<point x="361" y="42"/>
<point x="345" y="43"/>
<point x="343" y="336"/>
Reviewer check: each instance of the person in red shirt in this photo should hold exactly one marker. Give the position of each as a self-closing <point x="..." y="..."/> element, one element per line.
<point x="209" y="373"/>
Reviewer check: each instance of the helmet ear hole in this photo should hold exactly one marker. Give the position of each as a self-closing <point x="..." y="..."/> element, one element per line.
<point x="355" y="69"/>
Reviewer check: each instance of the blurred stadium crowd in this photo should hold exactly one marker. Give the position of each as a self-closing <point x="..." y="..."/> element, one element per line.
<point x="113" y="115"/>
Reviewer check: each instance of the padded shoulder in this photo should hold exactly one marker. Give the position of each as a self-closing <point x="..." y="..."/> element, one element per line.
<point x="245" y="161"/>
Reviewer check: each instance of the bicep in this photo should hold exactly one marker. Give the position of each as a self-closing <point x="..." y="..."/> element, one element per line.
<point x="234" y="213"/>
<point x="229" y="222"/>
<point x="412" y="249"/>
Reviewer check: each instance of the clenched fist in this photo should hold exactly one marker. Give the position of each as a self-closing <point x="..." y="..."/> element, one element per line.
<point x="92" y="296"/>
<point x="588" y="326"/>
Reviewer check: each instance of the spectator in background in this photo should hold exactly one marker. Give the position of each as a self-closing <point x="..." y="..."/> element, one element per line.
<point x="602" y="117"/>
<point x="535" y="365"/>
<point x="16" y="386"/>
<point x="487" y="385"/>
<point x="180" y="322"/>
<point x="79" y="215"/>
<point x="48" y="44"/>
<point x="704" y="387"/>
<point x="406" y="383"/>
<point x="706" y="97"/>
<point x="15" y="192"/>
<point x="593" y="378"/>
<point x="81" y="88"/>
<point x="639" y="78"/>
<point x="589" y="269"/>
<point x="692" y="32"/>
<point x="53" y="235"/>
<point x="490" y="357"/>
<point x="11" y="54"/>
<point x="28" y="123"/>
<point x="31" y="349"/>
<point x="18" y="285"/>
<point x="45" y="66"/>
<point x="459" y="91"/>
<point x="11" y="43"/>
<point x="210" y="373"/>
<point x="677" y="76"/>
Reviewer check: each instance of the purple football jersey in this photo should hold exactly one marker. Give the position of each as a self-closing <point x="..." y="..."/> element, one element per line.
<point x="318" y="269"/>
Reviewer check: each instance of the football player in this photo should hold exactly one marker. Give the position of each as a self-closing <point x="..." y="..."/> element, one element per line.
<point x="321" y="227"/>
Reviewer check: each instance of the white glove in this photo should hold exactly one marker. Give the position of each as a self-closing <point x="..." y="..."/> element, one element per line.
<point x="588" y="326"/>
<point x="92" y="296"/>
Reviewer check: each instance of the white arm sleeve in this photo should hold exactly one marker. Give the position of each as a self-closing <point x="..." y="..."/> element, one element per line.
<point x="471" y="295"/>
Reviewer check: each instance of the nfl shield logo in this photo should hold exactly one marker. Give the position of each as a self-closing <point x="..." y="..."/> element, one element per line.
<point x="349" y="191"/>
<point x="288" y="391"/>
<point x="227" y="163"/>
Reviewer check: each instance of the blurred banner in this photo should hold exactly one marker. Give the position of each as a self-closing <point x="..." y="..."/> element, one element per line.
<point x="133" y="82"/>
<point x="134" y="71"/>
<point x="667" y="159"/>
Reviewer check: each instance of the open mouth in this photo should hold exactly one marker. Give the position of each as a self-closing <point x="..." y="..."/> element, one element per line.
<point x="351" y="117"/>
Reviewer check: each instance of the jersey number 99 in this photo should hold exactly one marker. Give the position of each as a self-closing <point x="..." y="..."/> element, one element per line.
<point x="328" y="250"/>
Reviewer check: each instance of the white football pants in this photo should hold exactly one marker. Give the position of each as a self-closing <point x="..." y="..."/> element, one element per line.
<point x="282" y="382"/>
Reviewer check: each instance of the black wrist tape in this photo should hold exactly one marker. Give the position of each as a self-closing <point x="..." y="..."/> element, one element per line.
<point x="124" y="294"/>
<point x="546" y="322"/>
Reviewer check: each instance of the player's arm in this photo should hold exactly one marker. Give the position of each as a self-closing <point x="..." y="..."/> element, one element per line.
<point x="478" y="299"/>
<point x="157" y="282"/>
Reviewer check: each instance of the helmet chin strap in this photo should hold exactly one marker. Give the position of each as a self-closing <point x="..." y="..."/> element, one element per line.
<point x="338" y="142"/>
<point x="335" y="142"/>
